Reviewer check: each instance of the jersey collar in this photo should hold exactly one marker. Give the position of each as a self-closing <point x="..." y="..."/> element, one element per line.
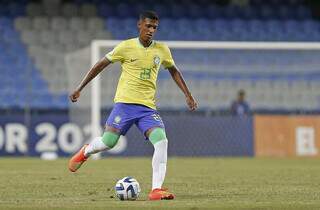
<point x="139" y="43"/>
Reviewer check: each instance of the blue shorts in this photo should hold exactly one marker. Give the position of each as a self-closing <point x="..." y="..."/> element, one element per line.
<point x="124" y="115"/>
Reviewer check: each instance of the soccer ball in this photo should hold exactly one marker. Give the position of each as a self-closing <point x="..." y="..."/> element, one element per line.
<point x="127" y="188"/>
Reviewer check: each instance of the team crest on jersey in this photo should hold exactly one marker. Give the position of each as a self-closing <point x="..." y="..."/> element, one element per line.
<point x="156" y="60"/>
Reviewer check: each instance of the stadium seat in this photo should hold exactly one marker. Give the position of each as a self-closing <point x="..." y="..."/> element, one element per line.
<point x="124" y="10"/>
<point x="94" y="24"/>
<point x="106" y="10"/>
<point x="77" y="24"/>
<point x="88" y="10"/>
<point x="49" y="28"/>
<point x="40" y="23"/>
<point x="34" y="10"/>
<point x="22" y="23"/>
<point x="47" y="37"/>
<point x="70" y="10"/>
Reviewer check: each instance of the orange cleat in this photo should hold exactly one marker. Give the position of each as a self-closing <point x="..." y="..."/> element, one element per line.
<point x="77" y="160"/>
<point x="160" y="194"/>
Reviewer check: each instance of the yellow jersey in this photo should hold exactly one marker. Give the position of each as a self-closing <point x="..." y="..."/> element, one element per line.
<point x="139" y="70"/>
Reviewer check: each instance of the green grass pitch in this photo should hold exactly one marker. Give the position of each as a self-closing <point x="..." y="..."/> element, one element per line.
<point x="199" y="183"/>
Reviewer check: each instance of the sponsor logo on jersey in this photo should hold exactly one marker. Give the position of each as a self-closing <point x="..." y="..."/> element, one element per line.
<point x="133" y="59"/>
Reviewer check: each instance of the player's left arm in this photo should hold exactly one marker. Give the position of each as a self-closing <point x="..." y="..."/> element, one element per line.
<point x="177" y="77"/>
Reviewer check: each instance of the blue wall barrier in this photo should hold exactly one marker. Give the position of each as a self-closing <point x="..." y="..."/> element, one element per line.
<point x="188" y="136"/>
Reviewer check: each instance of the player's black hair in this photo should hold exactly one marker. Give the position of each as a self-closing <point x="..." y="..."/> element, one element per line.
<point x="148" y="14"/>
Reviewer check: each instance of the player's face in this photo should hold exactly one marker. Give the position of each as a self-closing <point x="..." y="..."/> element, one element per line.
<point x="147" y="29"/>
<point x="241" y="97"/>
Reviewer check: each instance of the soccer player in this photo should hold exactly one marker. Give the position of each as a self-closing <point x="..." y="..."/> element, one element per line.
<point x="140" y="60"/>
<point x="240" y="106"/>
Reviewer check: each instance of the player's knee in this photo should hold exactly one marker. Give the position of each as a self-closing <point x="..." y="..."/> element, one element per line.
<point x="111" y="129"/>
<point x="110" y="139"/>
<point x="156" y="135"/>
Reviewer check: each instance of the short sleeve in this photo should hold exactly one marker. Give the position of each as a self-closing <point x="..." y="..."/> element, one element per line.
<point x="167" y="58"/>
<point x="116" y="54"/>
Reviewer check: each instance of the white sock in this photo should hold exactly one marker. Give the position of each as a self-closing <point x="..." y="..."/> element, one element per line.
<point x="96" y="145"/>
<point x="159" y="163"/>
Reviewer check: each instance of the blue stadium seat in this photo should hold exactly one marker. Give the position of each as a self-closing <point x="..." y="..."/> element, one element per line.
<point x="212" y="11"/>
<point x="129" y="23"/>
<point x="285" y="12"/>
<point x="238" y="24"/>
<point x="162" y="10"/>
<point x="178" y="10"/>
<point x="112" y="23"/>
<point x="266" y="12"/>
<point x="193" y="11"/>
<point x="272" y="20"/>
<point x="5" y="22"/>
<point x="14" y="60"/>
<point x="124" y="10"/>
<point x="17" y="49"/>
<point x="310" y="25"/>
<point x="138" y="8"/>
<point x="7" y="60"/>
<point x="16" y="9"/>
<point x="106" y="10"/>
<point x="248" y="12"/>
<point x="4" y="10"/>
<point x="61" y="101"/>
<point x="230" y="12"/>
<point x="44" y="101"/>
<point x="256" y="2"/>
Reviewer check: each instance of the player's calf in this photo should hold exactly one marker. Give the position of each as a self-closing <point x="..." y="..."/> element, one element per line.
<point x="106" y="142"/>
<point x="99" y="144"/>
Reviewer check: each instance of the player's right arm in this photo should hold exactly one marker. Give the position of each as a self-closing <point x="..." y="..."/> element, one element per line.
<point x="113" y="56"/>
<point x="92" y="73"/>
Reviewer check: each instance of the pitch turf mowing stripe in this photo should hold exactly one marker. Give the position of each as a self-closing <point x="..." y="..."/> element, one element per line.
<point x="199" y="183"/>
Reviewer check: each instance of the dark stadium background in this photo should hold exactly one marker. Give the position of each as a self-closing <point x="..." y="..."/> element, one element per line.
<point x="265" y="159"/>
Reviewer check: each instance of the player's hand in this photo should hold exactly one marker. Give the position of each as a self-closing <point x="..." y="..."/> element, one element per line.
<point x="192" y="104"/>
<point x="74" y="96"/>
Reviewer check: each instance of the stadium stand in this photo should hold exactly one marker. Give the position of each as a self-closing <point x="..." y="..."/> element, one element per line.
<point x="49" y="30"/>
<point x="36" y="35"/>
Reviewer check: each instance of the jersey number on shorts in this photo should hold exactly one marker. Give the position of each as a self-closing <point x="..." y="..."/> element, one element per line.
<point x="157" y="117"/>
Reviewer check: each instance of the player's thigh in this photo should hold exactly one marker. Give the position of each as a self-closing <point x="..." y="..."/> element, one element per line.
<point x="111" y="129"/>
<point x="149" y="122"/>
<point x="119" y="121"/>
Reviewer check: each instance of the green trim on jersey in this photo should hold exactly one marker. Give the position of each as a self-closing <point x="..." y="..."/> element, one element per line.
<point x="110" y="139"/>
<point x="157" y="135"/>
<point x="141" y="45"/>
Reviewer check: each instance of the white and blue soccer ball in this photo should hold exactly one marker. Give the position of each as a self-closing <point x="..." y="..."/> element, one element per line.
<point x="127" y="188"/>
